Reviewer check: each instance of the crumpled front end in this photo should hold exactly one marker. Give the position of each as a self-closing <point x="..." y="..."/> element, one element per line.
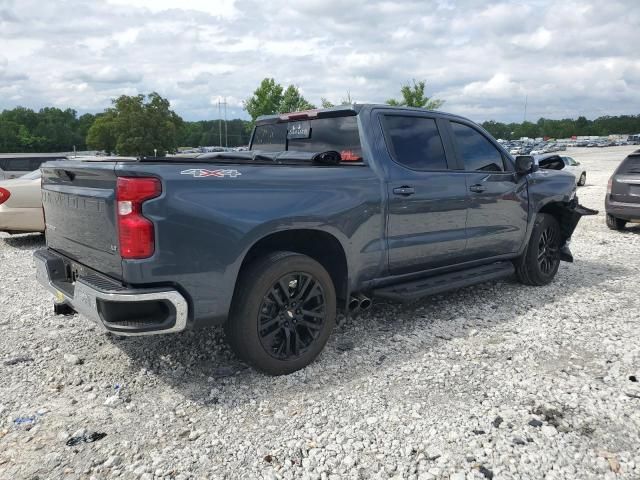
<point x="568" y="215"/>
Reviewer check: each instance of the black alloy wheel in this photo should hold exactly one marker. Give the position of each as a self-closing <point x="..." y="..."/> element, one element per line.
<point x="283" y="312"/>
<point x="540" y="261"/>
<point x="549" y="250"/>
<point x="291" y="316"/>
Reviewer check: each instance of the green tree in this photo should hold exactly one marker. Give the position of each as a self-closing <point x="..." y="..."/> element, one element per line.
<point x="326" y="103"/>
<point x="136" y="125"/>
<point x="293" y="101"/>
<point x="102" y="133"/>
<point x="266" y="99"/>
<point x="271" y="98"/>
<point x="413" y="96"/>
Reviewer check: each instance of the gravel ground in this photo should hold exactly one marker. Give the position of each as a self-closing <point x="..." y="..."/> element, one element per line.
<point x="494" y="381"/>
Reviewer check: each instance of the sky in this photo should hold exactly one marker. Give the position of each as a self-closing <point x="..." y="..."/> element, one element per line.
<point x="485" y="59"/>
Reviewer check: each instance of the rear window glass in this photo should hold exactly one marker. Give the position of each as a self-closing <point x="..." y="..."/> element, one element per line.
<point x="338" y="134"/>
<point x="630" y="165"/>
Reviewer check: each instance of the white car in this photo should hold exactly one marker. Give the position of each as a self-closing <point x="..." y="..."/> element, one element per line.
<point x="21" y="204"/>
<point x="574" y="167"/>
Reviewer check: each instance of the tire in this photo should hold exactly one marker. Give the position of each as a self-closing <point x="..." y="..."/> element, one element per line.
<point x="583" y="179"/>
<point x="615" y="223"/>
<point x="541" y="259"/>
<point x="275" y="332"/>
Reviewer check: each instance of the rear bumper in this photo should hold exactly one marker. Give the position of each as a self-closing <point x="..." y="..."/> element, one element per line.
<point x="624" y="211"/>
<point x="115" y="308"/>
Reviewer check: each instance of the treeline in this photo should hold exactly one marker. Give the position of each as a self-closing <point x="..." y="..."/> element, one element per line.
<point x="143" y="124"/>
<point x="51" y="129"/>
<point x="48" y="130"/>
<point x="601" y="126"/>
<point x="210" y="132"/>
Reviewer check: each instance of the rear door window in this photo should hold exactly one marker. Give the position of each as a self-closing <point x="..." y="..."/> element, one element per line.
<point x="475" y="150"/>
<point x="414" y="142"/>
<point x="338" y="134"/>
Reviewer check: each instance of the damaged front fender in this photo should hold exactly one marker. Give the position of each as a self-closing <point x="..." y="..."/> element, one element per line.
<point x="568" y="215"/>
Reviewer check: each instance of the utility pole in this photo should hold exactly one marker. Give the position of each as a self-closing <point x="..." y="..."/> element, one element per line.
<point x="219" y="121"/>
<point x="226" y="141"/>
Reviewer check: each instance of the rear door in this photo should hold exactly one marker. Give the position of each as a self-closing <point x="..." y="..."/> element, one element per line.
<point x="80" y="214"/>
<point x="498" y="198"/>
<point x="426" y="200"/>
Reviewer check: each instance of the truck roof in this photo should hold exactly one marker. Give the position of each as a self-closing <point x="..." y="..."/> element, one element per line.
<point x="341" y="111"/>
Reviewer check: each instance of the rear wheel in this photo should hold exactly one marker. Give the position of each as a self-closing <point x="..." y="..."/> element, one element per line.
<point x="582" y="180"/>
<point x="615" y="223"/>
<point x="540" y="261"/>
<point x="283" y="313"/>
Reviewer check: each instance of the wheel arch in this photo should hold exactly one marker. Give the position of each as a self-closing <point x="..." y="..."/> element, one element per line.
<point x="320" y="245"/>
<point x="564" y="215"/>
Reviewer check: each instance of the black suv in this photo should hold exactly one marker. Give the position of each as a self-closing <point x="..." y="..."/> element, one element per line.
<point x="622" y="203"/>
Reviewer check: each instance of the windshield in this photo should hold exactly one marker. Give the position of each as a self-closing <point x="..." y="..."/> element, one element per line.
<point x="32" y="175"/>
<point x="338" y="134"/>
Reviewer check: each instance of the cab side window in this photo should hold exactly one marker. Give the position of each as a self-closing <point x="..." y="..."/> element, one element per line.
<point x="414" y="142"/>
<point x="475" y="150"/>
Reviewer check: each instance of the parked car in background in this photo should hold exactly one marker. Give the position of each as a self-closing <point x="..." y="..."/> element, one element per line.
<point x="14" y="165"/>
<point x="622" y="202"/>
<point x="21" y="204"/>
<point x="554" y="161"/>
<point x="574" y="167"/>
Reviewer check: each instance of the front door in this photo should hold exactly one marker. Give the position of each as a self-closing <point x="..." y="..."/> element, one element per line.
<point x="498" y="198"/>
<point x="427" y="201"/>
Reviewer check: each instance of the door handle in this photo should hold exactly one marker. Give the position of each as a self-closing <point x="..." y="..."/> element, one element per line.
<point x="404" y="190"/>
<point x="478" y="188"/>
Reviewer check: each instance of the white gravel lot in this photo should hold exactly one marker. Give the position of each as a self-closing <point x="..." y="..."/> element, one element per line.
<point x="496" y="381"/>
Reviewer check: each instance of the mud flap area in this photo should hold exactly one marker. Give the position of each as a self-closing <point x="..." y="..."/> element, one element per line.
<point x="570" y="214"/>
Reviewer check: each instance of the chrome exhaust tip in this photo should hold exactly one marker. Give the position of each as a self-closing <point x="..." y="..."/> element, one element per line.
<point x="354" y="304"/>
<point x="365" y="302"/>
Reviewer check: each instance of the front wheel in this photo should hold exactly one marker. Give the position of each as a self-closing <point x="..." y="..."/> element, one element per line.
<point x="283" y="312"/>
<point x="541" y="259"/>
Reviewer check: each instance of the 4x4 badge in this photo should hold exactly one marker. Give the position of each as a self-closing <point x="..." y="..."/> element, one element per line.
<point x="203" y="172"/>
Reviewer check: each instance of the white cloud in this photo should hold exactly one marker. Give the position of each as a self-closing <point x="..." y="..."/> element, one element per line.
<point x="569" y="58"/>
<point x="217" y="8"/>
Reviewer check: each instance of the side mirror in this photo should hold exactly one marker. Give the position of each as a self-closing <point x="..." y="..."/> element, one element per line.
<point x="524" y="164"/>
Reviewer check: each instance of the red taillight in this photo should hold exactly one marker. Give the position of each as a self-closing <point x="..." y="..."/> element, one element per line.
<point x="4" y="195"/>
<point x="135" y="232"/>
<point x="300" y="115"/>
<point x="350" y="156"/>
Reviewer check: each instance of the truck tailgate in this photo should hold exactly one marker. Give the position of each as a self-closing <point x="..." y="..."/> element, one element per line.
<point x="80" y="214"/>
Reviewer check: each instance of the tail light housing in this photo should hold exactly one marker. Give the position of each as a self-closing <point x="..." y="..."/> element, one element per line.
<point x="136" y="233"/>
<point x="4" y="195"/>
<point x="610" y="185"/>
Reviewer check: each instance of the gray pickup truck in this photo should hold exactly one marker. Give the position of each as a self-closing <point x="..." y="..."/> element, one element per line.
<point x="326" y="210"/>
